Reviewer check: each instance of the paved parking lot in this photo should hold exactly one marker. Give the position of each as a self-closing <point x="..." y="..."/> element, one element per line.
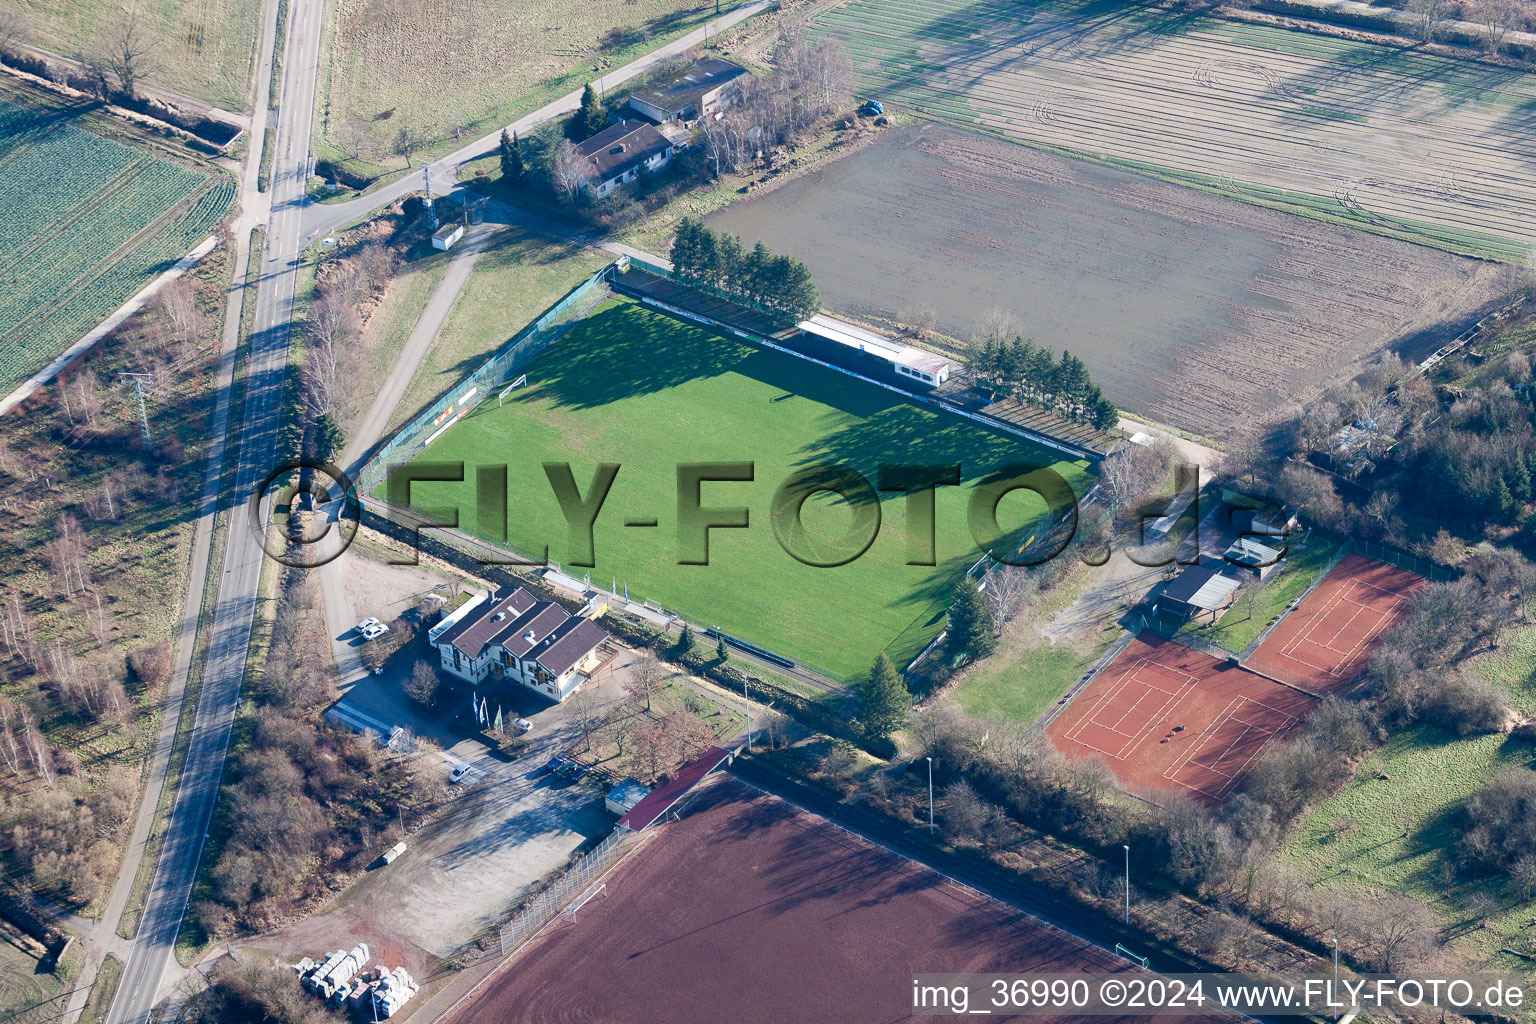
<point x="507" y="827"/>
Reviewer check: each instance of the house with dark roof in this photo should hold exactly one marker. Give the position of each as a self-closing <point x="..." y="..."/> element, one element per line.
<point x="615" y="155"/>
<point x="510" y="635"/>
<point x="702" y="89"/>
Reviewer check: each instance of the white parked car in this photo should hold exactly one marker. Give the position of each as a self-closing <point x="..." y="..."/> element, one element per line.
<point x="458" y="773"/>
<point x="372" y="628"/>
<point x="522" y="725"/>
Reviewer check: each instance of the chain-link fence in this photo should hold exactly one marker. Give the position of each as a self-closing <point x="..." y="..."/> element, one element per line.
<point x="1409" y="563"/>
<point x="482" y="383"/>
<point x="583" y="874"/>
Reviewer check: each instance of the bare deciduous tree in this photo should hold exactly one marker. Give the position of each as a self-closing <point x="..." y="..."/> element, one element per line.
<point x="408" y="140"/>
<point x="1497" y="17"/>
<point x="583" y="705"/>
<point x="569" y="172"/>
<point x="919" y="321"/>
<point x="13" y="26"/>
<point x="127" y="52"/>
<point x="1006" y="587"/>
<point x="1426" y="17"/>
<point x="644" y="678"/>
<point x="423" y="684"/>
<point x="68" y="556"/>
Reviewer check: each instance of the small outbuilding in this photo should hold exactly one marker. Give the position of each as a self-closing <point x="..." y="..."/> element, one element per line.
<point x="1257" y="516"/>
<point x="1199" y="594"/>
<point x="1249" y="554"/>
<point x="622" y="798"/>
<point x="444" y="237"/>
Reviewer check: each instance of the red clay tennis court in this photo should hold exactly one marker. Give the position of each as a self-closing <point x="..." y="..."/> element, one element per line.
<point x="750" y="910"/>
<point x="1162" y="716"/>
<point x="1326" y="642"/>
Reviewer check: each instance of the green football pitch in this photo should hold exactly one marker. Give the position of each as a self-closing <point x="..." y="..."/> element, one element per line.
<point x="631" y="386"/>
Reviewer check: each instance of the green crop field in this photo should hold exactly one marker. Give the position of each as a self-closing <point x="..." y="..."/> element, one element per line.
<point x="630" y="386"/>
<point x="89" y="222"/>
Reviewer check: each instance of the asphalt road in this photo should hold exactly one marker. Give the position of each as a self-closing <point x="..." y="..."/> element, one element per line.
<point x="291" y="225"/>
<point x="230" y="632"/>
<point x="323" y="218"/>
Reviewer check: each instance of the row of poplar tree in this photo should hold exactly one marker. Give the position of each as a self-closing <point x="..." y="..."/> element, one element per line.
<point x="781" y="285"/>
<point x="1032" y="374"/>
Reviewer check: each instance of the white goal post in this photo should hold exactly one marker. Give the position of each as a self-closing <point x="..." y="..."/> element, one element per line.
<point x="508" y="389"/>
<point x="600" y="889"/>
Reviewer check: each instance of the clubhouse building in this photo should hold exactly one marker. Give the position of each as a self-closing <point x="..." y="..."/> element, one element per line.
<point x="508" y="635"/>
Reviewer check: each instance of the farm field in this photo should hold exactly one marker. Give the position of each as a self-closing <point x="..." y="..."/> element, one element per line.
<point x="203" y="48"/>
<point x="90" y="222"/>
<point x="808" y="922"/>
<point x="1387" y="137"/>
<point x="630" y="386"/>
<point x="1393" y="827"/>
<point x="455" y="71"/>
<point x="1192" y="309"/>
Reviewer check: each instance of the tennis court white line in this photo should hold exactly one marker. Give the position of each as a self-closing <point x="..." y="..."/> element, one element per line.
<point x="1228" y="714"/>
<point x="1172" y="699"/>
<point x="1349" y="655"/>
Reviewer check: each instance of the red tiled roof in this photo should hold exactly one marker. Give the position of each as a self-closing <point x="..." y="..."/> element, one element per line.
<point x="670" y="792"/>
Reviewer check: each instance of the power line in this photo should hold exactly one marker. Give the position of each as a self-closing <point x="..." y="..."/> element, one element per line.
<point x="138" y="389"/>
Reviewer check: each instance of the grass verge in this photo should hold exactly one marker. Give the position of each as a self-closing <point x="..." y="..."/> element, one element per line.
<point x="102" y="990"/>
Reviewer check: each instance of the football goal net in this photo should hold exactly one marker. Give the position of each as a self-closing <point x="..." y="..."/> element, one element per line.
<point x="521" y="380"/>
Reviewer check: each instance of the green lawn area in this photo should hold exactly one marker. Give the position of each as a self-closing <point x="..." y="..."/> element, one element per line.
<point x="631" y="386"/>
<point x="1022" y="683"/>
<point x="1398" y="833"/>
<point x="388" y="329"/>
<point x="517" y="278"/>
<point x="1028" y="672"/>
<point x="102" y="991"/>
<point x="1244" y="621"/>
